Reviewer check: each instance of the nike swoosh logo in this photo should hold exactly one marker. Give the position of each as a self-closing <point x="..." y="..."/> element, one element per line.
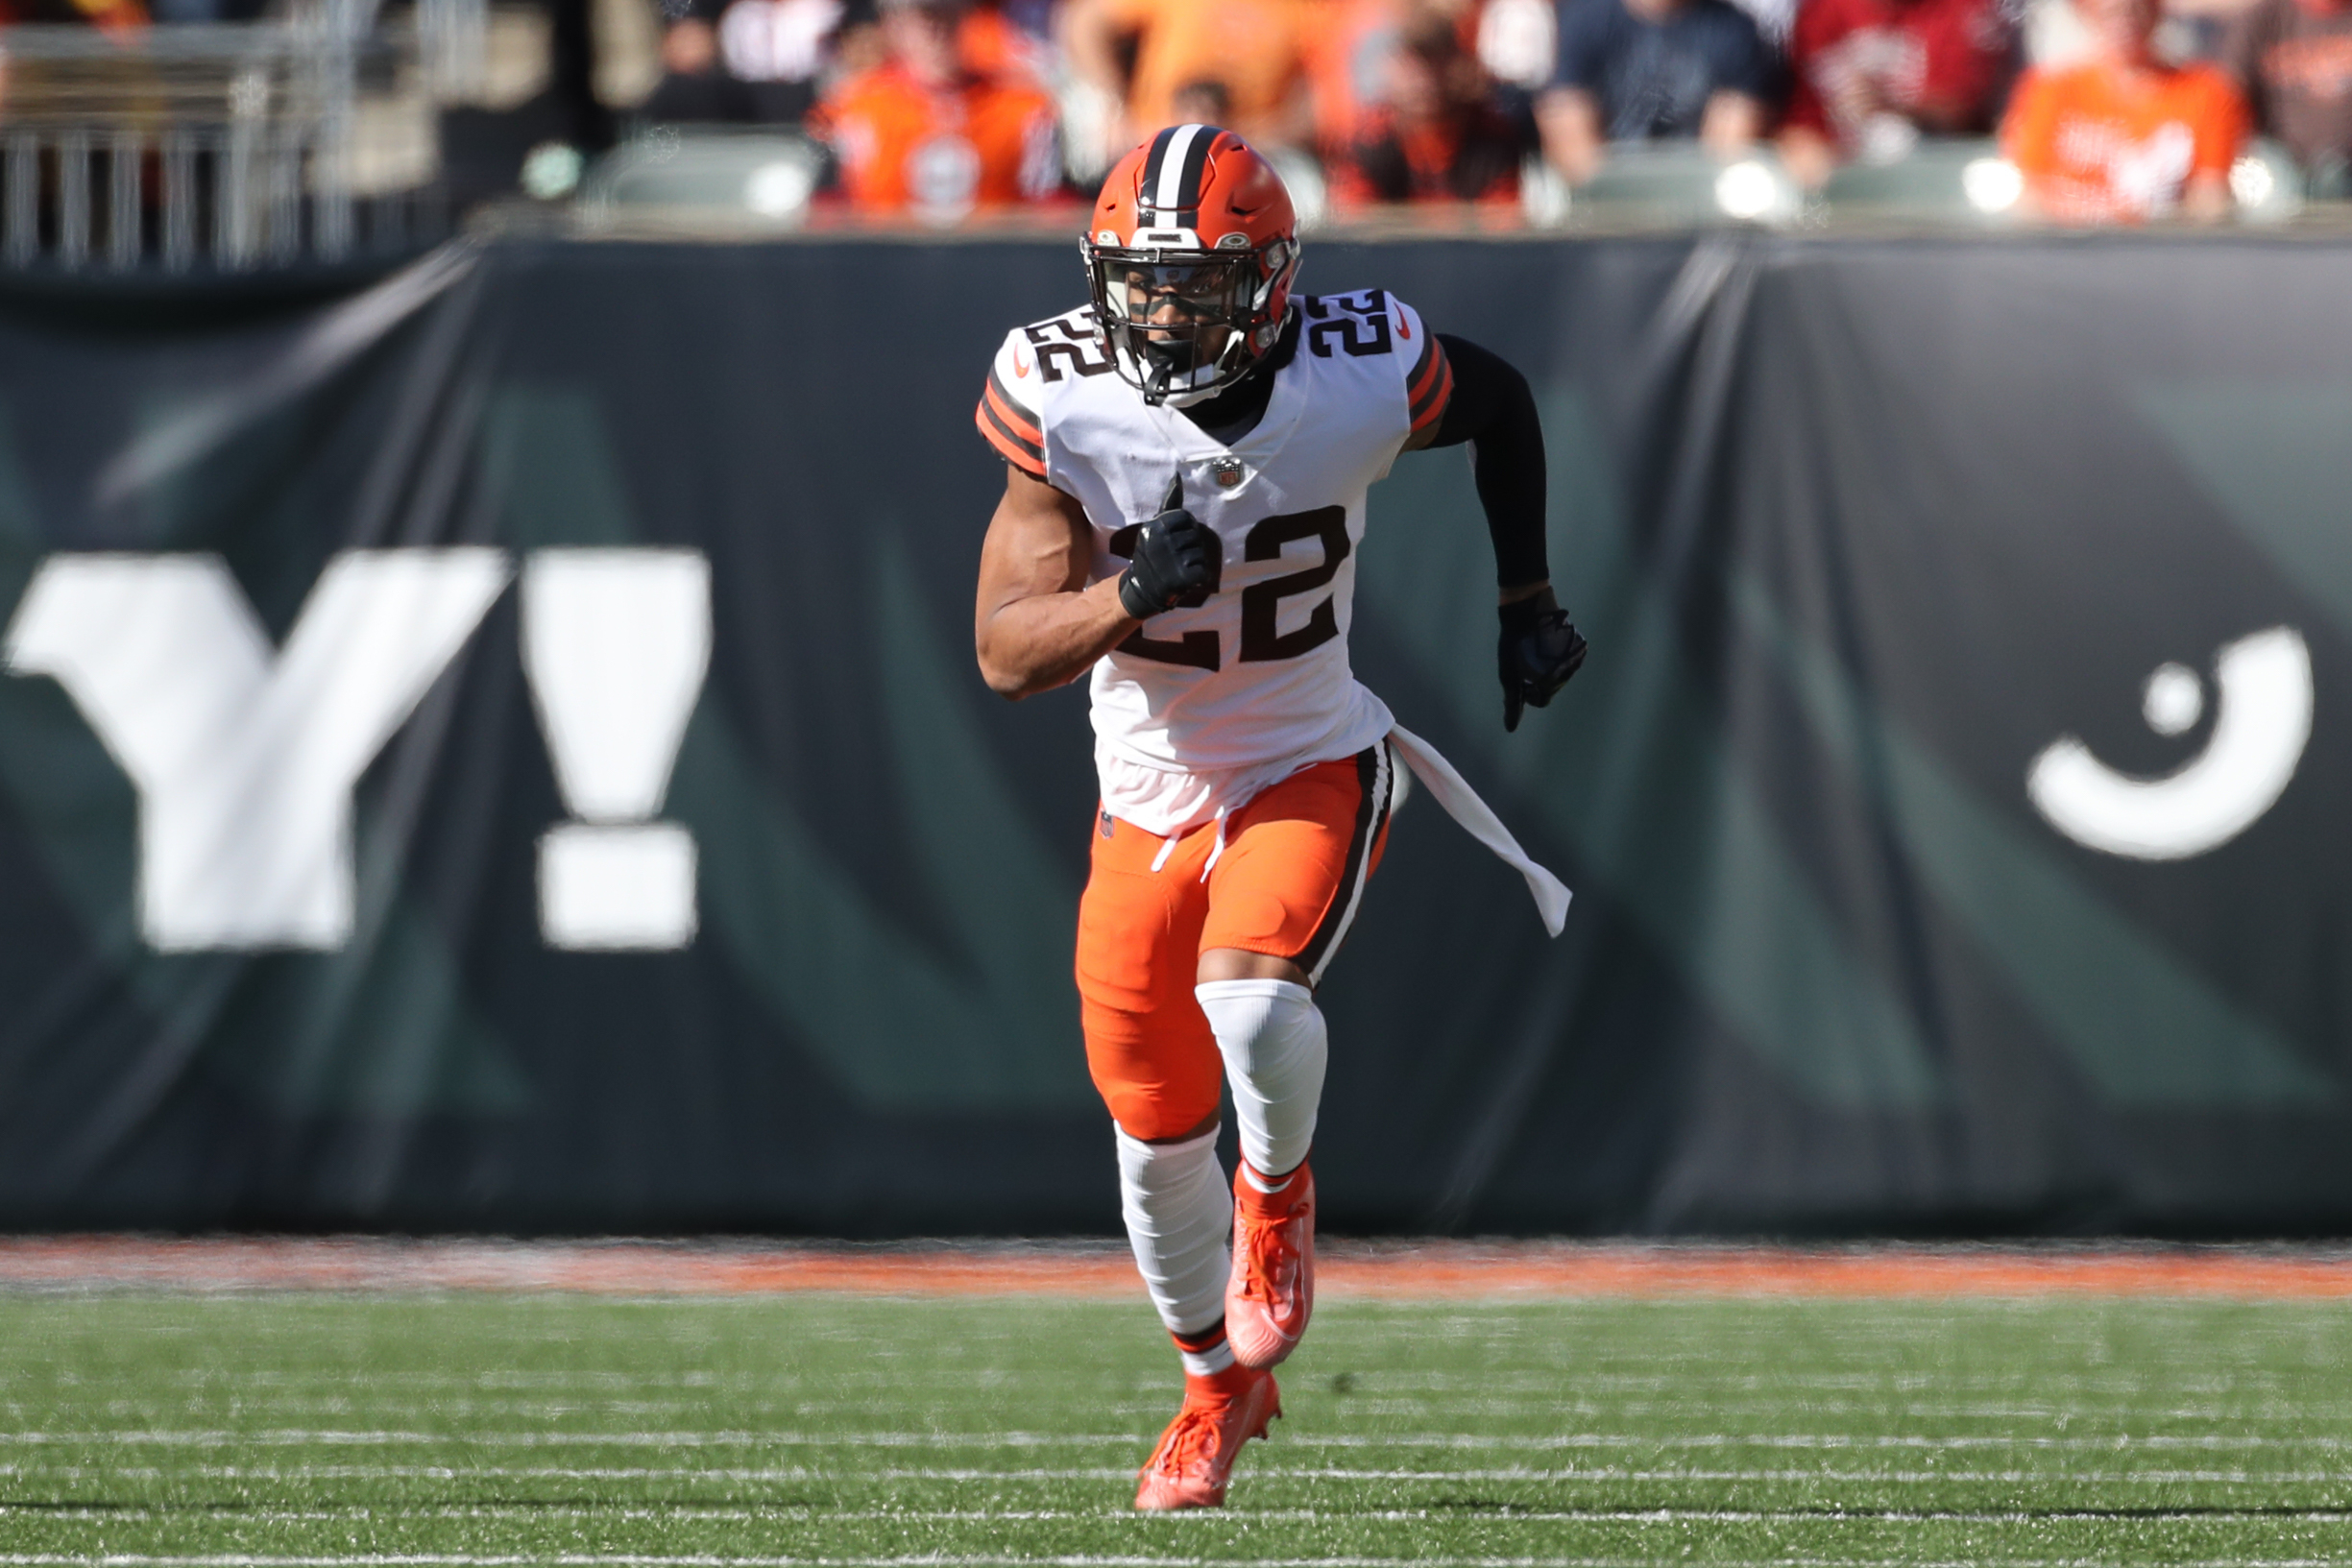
<point x="1020" y="366"/>
<point x="1403" y="330"/>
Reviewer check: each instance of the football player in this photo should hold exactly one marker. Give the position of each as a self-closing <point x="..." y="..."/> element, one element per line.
<point x="1187" y="457"/>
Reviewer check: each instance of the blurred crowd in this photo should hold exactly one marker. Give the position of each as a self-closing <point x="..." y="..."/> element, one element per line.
<point x="2110" y="110"/>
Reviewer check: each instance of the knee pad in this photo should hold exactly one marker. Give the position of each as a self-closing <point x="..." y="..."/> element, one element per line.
<point x="1179" y="1217"/>
<point x="1271" y="1036"/>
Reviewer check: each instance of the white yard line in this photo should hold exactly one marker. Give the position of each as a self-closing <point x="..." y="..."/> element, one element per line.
<point x="1709" y="1382"/>
<point x="283" y="1438"/>
<point x="1363" y="1400"/>
<point x="453" y="1559"/>
<point x="1268" y="1467"/>
<point x="436" y="1472"/>
<point x="1357" y="1403"/>
<point x="1531" y="1442"/>
<point x="821" y="1514"/>
<point x="2116" y="1442"/>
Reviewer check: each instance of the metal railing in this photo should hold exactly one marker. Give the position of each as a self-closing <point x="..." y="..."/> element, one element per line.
<point x="185" y="196"/>
<point x="230" y="145"/>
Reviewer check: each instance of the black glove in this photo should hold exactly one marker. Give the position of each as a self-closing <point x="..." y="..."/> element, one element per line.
<point x="1538" y="651"/>
<point x="1176" y="562"/>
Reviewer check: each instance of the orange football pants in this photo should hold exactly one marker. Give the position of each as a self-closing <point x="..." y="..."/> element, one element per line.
<point x="1287" y="884"/>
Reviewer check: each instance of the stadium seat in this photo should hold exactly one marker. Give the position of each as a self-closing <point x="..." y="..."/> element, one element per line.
<point x="748" y="178"/>
<point x="1967" y="181"/>
<point x="1681" y="184"/>
<point x="1963" y="181"/>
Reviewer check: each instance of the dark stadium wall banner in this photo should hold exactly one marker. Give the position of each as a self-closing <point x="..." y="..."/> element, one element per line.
<point x="244" y="757"/>
<point x="496" y="747"/>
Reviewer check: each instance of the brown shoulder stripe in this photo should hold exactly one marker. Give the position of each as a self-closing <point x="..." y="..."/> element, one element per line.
<point x="1026" y="455"/>
<point x="1024" y="423"/>
<point x="1012" y="410"/>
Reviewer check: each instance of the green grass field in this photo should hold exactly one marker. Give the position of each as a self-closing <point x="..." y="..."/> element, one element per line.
<point x="351" y="1429"/>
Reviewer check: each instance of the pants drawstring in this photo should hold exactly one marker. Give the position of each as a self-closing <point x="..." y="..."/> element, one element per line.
<point x="1219" y="848"/>
<point x="1167" y="847"/>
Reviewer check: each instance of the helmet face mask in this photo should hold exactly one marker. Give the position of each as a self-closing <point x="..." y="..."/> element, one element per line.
<point x="1189" y="257"/>
<point x="1178" y="324"/>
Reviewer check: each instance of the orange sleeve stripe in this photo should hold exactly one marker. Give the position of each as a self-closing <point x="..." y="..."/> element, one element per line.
<point x="1029" y="460"/>
<point x="1016" y="419"/>
<point x="1418" y="375"/>
<point x="1429" y="412"/>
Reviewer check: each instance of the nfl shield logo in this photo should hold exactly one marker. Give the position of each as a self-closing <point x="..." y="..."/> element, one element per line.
<point x="1226" y="471"/>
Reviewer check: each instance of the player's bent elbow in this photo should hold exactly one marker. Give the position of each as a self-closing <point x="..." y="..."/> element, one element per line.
<point x="1007" y="682"/>
<point x="1512" y="388"/>
<point x="1009" y="687"/>
<point x="1016" y="660"/>
<point x="1012" y="682"/>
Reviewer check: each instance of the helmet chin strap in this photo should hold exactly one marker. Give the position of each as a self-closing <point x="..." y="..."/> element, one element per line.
<point x="1158" y="391"/>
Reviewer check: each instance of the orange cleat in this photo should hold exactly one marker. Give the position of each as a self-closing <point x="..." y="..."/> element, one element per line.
<point x="1271" y="1292"/>
<point x="1195" y="1457"/>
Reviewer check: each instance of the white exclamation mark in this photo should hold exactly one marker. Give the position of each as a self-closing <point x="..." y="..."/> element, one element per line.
<point x="616" y="644"/>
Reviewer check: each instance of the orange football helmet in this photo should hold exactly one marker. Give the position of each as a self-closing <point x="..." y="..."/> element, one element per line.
<point x="1190" y="253"/>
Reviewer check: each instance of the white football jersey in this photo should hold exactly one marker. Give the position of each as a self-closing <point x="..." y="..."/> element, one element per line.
<point x="1203" y="708"/>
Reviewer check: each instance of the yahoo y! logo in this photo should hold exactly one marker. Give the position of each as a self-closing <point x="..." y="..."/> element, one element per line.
<point x="245" y="755"/>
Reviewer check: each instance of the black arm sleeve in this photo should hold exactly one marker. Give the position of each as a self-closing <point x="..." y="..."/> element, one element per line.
<point x="1493" y="410"/>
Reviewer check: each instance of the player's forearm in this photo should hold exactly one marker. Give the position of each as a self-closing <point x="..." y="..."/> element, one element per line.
<point x="1508" y="465"/>
<point x="1493" y="408"/>
<point x="1036" y="645"/>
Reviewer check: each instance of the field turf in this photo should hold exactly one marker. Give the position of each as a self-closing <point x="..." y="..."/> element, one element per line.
<point x="318" y="1428"/>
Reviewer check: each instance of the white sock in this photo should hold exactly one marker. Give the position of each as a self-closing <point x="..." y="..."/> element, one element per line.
<point x="1180" y="1221"/>
<point x="1271" y="1036"/>
<point x="1207" y="1364"/>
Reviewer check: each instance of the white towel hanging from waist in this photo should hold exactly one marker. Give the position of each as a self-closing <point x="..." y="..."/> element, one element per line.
<point x="1462" y="805"/>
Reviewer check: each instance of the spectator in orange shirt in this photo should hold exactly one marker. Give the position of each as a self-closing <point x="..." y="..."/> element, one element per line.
<point x="2122" y="137"/>
<point x="1348" y="45"/>
<point x="995" y="42"/>
<point x="1257" y="49"/>
<point x="923" y="134"/>
<point x="1435" y="133"/>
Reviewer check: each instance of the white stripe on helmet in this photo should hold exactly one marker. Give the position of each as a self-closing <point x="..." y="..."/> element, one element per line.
<point x="1172" y="167"/>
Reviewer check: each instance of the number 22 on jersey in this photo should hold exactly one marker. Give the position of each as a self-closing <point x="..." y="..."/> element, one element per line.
<point x="1261" y="642"/>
